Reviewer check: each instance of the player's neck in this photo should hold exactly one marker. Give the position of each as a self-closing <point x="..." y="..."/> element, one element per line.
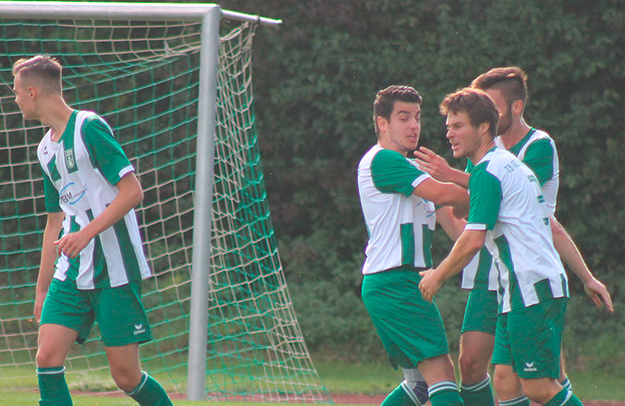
<point x="482" y="150"/>
<point x="56" y="118"/>
<point x="515" y="133"/>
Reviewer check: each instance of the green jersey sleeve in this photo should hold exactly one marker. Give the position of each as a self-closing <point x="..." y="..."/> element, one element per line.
<point x="393" y="173"/>
<point x="51" y="195"/>
<point x="105" y="152"/>
<point x="539" y="158"/>
<point x="485" y="192"/>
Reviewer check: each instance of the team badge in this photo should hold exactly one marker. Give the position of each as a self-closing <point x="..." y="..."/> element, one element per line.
<point x="69" y="158"/>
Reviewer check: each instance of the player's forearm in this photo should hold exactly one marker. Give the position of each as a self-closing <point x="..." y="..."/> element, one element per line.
<point x="48" y="252"/>
<point x="454" y="196"/>
<point x="463" y="251"/>
<point x="459" y="177"/>
<point x="129" y="196"/>
<point x="569" y="253"/>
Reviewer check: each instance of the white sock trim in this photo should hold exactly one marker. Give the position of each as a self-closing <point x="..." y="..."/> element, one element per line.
<point x="136" y="390"/>
<point x="478" y="386"/>
<point x="442" y="386"/>
<point x="53" y="372"/>
<point x="514" y="401"/>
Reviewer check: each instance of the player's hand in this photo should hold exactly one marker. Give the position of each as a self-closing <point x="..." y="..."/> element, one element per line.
<point x="598" y="292"/>
<point x="39" y="298"/>
<point x="430" y="284"/>
<point x="433" y="164"/>
<point x="72" y="243"/>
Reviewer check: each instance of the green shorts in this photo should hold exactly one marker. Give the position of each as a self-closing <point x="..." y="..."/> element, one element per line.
<point x="481" y="311"/>
<point x="530" y="339"/>
<point x="410" y="328"/>
<point x="120" y="315"/>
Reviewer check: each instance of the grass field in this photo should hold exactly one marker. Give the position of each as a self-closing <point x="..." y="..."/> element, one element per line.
<point x="354" y="378"/>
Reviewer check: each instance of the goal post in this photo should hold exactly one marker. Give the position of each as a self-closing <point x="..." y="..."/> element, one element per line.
<point x="219" y="284"/>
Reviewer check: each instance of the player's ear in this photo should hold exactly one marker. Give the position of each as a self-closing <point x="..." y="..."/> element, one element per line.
<point x="32" y="92"/>
<point x="483" y="128"/>
<point x="517" y="108"/>
<point x="382" y="123"/>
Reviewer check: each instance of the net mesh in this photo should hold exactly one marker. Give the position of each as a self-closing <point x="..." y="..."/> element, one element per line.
<point x="143" y="79"/>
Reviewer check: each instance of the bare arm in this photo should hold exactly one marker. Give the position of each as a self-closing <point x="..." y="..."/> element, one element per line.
<point x="130" y="195"/>
<point x="453" y="226"/>
<point x="465" y="248"/>
<point x="439" y="169"/>
<point x="443" y="194"/>
<point x="48" y="258"/>
<point x="569" y="253"/>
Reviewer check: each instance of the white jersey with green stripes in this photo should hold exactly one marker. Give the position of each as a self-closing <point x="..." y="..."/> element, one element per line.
<point x="80" y="172"/>
<point x="538" y="151"/>
<point x="399" y="223"/>
<point x="508" y="202"/>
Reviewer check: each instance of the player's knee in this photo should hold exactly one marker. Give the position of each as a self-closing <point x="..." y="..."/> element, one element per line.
<point x="48" y="358"/>
<point x="507" y="384"/>
<point x="540" y="391"/>
<point x="472" y="369"/>
<point x="126" y="380"/>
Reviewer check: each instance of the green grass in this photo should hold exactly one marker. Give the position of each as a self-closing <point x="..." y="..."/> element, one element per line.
<point x="341" y="377"/>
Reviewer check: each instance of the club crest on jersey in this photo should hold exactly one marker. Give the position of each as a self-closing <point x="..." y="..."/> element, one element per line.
<point x="70" y="162"/>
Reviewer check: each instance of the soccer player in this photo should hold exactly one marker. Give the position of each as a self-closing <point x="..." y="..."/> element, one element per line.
<point x="92" y="259"/>
<point x="509" y="214"/>
<point x="508" y="89"/>
<point x="398" y="202"/>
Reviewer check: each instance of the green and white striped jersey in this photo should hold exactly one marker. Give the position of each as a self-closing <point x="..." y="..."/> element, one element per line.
<point x="508" y="202"/>
<point x="538" y="151"/>
<point x="79" y="174"/>
<point x="399" y="223"/>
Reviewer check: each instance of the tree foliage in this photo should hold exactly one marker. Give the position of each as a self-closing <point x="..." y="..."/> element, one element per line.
<point x="316" y="75"/>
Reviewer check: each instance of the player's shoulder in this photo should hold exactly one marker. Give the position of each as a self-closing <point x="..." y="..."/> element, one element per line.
<point x="379" y="156"/>
<point x="540" y="136"/>
<point x="495" y="161"/>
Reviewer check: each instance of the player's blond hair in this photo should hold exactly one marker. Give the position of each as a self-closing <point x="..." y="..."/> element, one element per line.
<point x="42" y="69"/>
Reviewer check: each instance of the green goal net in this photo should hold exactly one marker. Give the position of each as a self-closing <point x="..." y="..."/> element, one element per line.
<point x="142" y="77"/>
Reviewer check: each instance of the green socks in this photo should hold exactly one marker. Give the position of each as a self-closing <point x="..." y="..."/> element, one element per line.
<point x="445" y="394"/>
<point x="150" y="393"/>
<point x="404" y="396"/>
<point x="53" y="387"/>
<point x="565" y="398"/>
<point x="479" y="394"/>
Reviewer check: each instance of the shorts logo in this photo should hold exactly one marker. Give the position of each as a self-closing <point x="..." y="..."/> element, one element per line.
<point x="69" y="158"/>
<point x="529" y="367"/>
<point x="139" y="329"/>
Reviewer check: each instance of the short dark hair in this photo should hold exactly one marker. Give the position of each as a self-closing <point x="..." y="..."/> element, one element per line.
<point x="511" y="81"/>
<point x="385" y="101"/>
<point x="478" y="105"/>
<point x="40" y="67"/>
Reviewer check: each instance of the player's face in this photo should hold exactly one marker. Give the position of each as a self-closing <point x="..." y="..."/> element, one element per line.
<point x="22" y="97"/>
<point x="401" y="132"/>
<point x="463" y="137"/>
<point x="505" y="111"/>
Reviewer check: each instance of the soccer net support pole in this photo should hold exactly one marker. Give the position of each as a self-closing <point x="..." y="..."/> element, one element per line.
<point x="200" y="274"/>
<point x="210" y="15"/>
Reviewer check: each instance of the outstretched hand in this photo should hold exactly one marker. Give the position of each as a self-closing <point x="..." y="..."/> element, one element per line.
<point x="433" y="164"/>
<point x="598" y="292"/>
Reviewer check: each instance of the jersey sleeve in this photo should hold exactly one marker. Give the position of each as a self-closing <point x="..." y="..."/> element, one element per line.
<point x="51" y="195"/>
<point x="539" y="158"/>
<point x="485" y="193"/>
<point x="105" y="152"/>
<point x="393" y="173"/>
